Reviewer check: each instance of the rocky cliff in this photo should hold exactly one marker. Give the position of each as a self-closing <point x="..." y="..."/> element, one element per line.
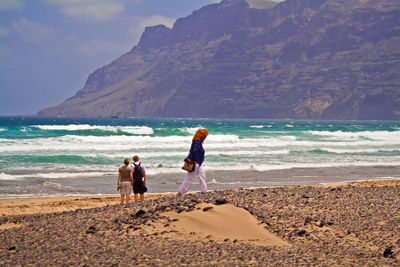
<point x="301" y="59"/>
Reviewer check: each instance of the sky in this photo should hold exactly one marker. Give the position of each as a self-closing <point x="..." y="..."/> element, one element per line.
<point x="49" y="47"/>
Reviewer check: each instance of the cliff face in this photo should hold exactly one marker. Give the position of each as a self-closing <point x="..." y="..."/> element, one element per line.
<point x="304" y="59"/>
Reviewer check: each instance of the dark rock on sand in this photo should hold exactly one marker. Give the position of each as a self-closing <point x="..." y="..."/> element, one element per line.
<point x="161" y="208"/>
<point x="180" y="209"/>
<point x="321" y="223"/>
<point x="301" y="232"/>
<point x="388" y="253"/>
<point x="124" y="221"/>
<point x="90" y="231"/>
<point x="140" y="213"/>
<point x="221" y="201"/>
<point x="307" y="220"/>
<point x="207" y="208"/>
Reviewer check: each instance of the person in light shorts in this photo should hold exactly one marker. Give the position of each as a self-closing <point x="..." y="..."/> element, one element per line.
<point x="125" y="181"/>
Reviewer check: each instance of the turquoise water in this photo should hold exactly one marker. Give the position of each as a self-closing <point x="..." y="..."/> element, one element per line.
<point x="70" y="148"/>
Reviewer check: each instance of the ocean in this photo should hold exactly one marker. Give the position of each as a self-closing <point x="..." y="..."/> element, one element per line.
<point x="81" y="156"/>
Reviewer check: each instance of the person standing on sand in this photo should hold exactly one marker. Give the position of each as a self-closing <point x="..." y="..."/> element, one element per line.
<point x="139" y="179"/>
<point x="125" y="181"/>
<point x="196" y="154"/>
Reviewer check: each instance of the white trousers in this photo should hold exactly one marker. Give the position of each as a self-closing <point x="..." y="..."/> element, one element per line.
<point x="198" y="170"/>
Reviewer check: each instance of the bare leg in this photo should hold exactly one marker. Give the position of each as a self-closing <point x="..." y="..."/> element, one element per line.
<point x="141" y="197"/>
<point x="127" y="199"/>
<point x="136" y="197"/>
<point x="122" y="199"/>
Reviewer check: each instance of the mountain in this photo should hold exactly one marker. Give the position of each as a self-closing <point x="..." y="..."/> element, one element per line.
<point x="300" y="59"/>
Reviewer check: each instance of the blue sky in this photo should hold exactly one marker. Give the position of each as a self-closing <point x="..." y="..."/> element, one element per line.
<point x="49" y="47"/>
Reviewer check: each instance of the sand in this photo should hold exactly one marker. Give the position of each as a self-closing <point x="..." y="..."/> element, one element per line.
<point x="23" y="206"/>
<point x="342" y="224"/>
<point x="219" y="223"/>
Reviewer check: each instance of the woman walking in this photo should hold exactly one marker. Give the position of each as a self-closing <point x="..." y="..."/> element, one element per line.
<point x="196" y="154"/>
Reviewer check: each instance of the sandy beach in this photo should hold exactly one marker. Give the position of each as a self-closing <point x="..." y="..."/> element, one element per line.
<point x="355" y="223"/>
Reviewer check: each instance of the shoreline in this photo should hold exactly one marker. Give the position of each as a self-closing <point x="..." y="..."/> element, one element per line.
<point x="216" y="180"/>
<point x="51" y="204"/>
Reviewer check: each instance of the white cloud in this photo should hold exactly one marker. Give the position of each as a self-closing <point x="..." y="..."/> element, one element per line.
<point x="31" y="31"/>
<point x="6" y="5"/>
<point x="94" y="11"/>
<point x="140" y="23"/>
<point x="4" y="32"/>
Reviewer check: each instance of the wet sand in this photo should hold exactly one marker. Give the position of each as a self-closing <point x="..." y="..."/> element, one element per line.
<point x="353" y="223"/>
<point x="216" y="180"/>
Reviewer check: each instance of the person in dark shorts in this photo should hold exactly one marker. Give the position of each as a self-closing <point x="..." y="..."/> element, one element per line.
<point x="125" y="181"/>
<point x="139" y="179"/>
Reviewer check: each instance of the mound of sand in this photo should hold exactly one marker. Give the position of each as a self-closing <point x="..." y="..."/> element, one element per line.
<point x="221" y="223"/>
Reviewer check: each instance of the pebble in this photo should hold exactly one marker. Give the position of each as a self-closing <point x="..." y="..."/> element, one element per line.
<point x="221" y="201"/>
<point x="140" y="213"/>
<point x="301" y="232"/>
<point x="388" y="253"/>
<point x="180" y="209"/>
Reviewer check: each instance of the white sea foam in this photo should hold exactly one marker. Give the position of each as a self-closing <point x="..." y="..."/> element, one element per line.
<point x="4" y="176"/>
<point x="363" y="150"/>
<point x="249" y="152"/>
<point x="373" y="135"/>
<point x="191" y="130"/>
<point x="118" y="143"/>
<point x="80" y="127"/>
<point x="268" y="167"/>
<point x="257" y="126"/>
<point x="175" y="167"/>
<point x="3" y="130"/>
<point x="58" y="186"/>
<point x="106" y="143"/>
<point x="55" y="175"/>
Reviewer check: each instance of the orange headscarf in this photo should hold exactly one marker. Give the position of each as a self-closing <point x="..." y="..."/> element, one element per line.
<point x="200" y="134"/>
